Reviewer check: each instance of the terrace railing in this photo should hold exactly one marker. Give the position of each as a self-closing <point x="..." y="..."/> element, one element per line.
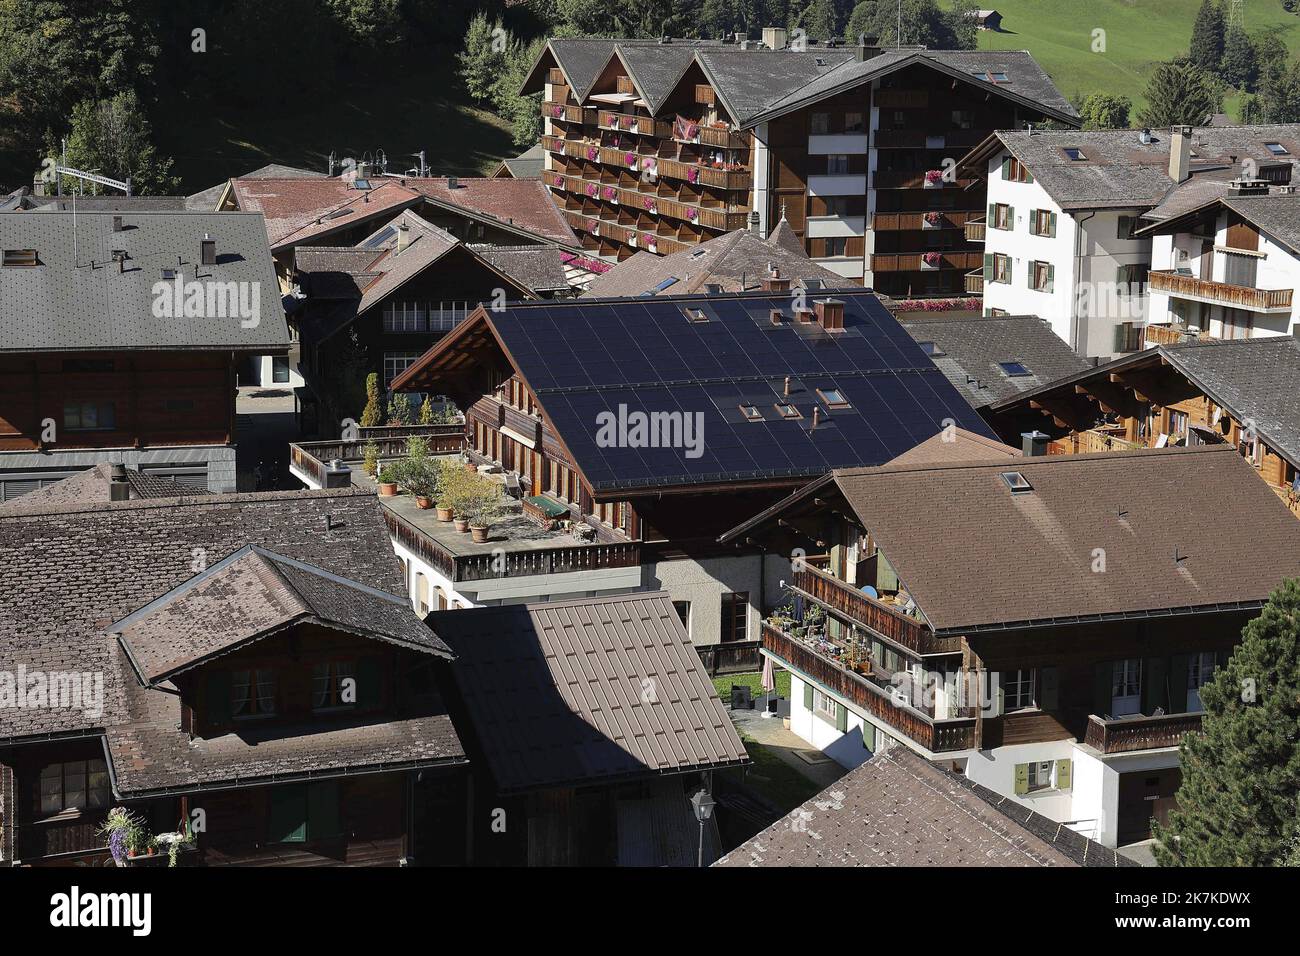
<point x="1128" y="734"/>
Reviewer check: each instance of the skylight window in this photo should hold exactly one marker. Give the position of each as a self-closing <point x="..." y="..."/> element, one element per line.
<point x="1014" y="369"/>
<point x="751" y="413"/>
<point x="788" y="411"/>
<point x="695" y="315"/>
<point x="833" y="397"/>
<point x="1074" y="153"/>
<point x="379" y="238"/>
<point x="1277" y="149"/>
<point x="19" y="257"/>
<point x="1016" y="482"/>
<point x="931" y="348"/>
<point x="360" y="184"/>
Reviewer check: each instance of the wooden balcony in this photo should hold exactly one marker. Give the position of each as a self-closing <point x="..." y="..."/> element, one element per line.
<point x="568" y="112"/>
<point x="704" y="94"/>
<point x="914" y="261"/>
<point x="633" y="123"/>
<point x="901" y="99"/>
<point x="1129" y="734"/>
<point x="953" y="139"/>
<point x="913" y="179"/>
<point x="1092" y="441"/>
<point x="975" y="230"/>
<point x="60" y="838"/>
<point x="1219" y="293"/>
<point x="1171" y="335"/>
<point x="629" y="235"/>
<point x="639" y="200"/>
<point x="937" y="736"/>
<point x="910" y="221"/>
<point x="309" y="458"/>
<point x="974" y="282"/>
<point x="890" y="623"/>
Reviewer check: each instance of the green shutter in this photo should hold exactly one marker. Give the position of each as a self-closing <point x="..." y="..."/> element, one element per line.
<point x="1063" y="771"/>
<point x="288" y="814"/>
<point x="993" y="216"/>
<point x="869" y="735"/>
<point x="1011" y="217"/>
<point x="807" y="696"/>
<point x="1153" y="684"/>
<point x="988" y="267"/>
<point x="1006" y="167"/>
<point x="368" y="682"/>
<point x="323" y="809"/>
<point x="1051" y="277"/>
<point x="1178" y="668"/>
<point x="841" y="718"/>
<point x="1049" y="688"/>
<point x="1022" y="778"/>
<point x="1102" y="675"/>
<point x="1052" y="226"/>
<point x="216" y="694"/>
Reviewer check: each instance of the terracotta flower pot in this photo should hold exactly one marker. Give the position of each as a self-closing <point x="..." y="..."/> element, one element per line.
<point x="478" y="535"/>
<point x="423" y="503"/>
<point x="471" y="467"/>
<point x="387" y="489"/>
<point x="444" y="514"/>
<point x="462" y="525"/>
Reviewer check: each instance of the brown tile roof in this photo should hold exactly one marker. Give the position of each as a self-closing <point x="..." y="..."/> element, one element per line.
<point x="898" y="810"/>
<point x="251" y="594"/>
<point x="524" y="204"/>
<point x="1005" y="559"/>
<point x="959" y="445"/>
<point x="300" y="209"/>
<point x="586" y="691"/>
<point x="92" y="486"/>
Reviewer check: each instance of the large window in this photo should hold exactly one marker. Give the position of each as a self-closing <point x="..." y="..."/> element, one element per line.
<point x="395" y="363"/>
<point x="1018" y="689"/>
<point x="76" y="785"/>
<point x="405" y="317"/>
<point x="252" y="693"/>
<point x="1126" y="687"/>
<point x="735" y="617"/>
<point x="334" y="683"/>
<point x="836" y="164"/>
<point x="89" y="416"/>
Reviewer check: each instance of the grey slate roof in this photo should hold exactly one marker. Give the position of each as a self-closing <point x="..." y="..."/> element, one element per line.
<point x="71" y="570"/>
<point x="92" y="487"/>
<point x="528" y="164"/>
<point x="898" y="810"/>
<point x="249" y="595"/>
<point x="749" y="82"/>
<point x="737" y="261"/>
<point x="91" y="305"/>
<point x="656" y="69"/>
<point x="1276" y="214"/>
<point x="1119" y="171"/>
<point x="974" y="346"/>
<point x="584" y="692"/>
<point x="534" y="267"/>
<point x="106" y="203"/>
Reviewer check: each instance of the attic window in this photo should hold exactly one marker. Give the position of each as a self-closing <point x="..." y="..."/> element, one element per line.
<point x="695" y="315"/>
<point x="833" y="397"/>
<point x="168" y="274"/>
<point x="992" y="76"/>
<point x="1277" y="149"/>
<point x="1017" y="482"/>
<point x="1074" y="153"/>
<point x="751" y="413"/>
<point x="360" y="184"/>
<point x="379" y="238"/>
<point x="788" y="411"/>
<point x="931" y="348"/>
<point x="1014" y="369"/>
<point x="20" y="257"/>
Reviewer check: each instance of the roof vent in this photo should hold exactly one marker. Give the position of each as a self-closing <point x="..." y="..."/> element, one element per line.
<point x="1033" y="444"/>
<point x="1144" y="137"/>
<point x="1017" y="482"/>
<point x="117" y="223"/>
<point x="208" y="250"/>
<point x="453" y="182"/>
<point x="119" y="488"/>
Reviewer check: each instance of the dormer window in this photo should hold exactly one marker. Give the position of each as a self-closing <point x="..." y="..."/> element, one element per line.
<point x="252" y="694"/>
<point x="1074" y="153"/>
<point x="333" y="685"/>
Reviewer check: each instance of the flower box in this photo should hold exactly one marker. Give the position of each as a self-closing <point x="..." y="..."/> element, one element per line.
<point x="593" y="153"/>
<point x="934" y="179"/>
<point x="931" y="260"/>
<point x="610" y="194"/>
<point x="932" y="220"/>
<point x="630" y="159"/>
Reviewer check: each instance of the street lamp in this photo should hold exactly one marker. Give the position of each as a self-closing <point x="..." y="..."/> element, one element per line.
<point x="702" y="803"/>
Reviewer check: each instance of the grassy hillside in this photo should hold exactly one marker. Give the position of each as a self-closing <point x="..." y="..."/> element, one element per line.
<point x="1139" y="34"/>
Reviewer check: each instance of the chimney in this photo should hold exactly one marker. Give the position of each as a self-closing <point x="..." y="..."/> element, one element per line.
<point x="754" y="223"/>
<point x="117" y="223"/>
<point x="338" y="474"/>
<point x="830" y="314"/>
<point x="868" y="46"/>
<point x="453" y="182"/>
<point x="403" y="237"/>
<point x="805" y="314"/>
<point x="777" y="316"/>
<point x="119" y="489"/>
<point x="1180" y="153"/>
<point x="1033" y="444"/>
<point x="774" y="38"/>
<point x="207" y="250"/>
<point x="774" y="283"/>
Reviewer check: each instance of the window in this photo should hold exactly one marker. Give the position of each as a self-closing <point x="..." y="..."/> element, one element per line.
<point x="1126" y="687"/>
<point x="899" y="119"/>
<point x="835" y="247"/>
<point x="855" y="123"/>
<point x="252" y="694"/>
<point x="1040" y="775"/>
<point x="819" y="124"/>
<point x="19" y="257"/>
<point x="735" y="617"/>
<point x="1042" y="222"/>
<point x="76" y="785"/>
<point x="963" y="119"/>
<point x="1018" y="690"/>
<point x="1124" y="226"/>
<point x="751" y="413"/>
<point x="991" y="76"/>
<point x="1016" y="481"/>
<point x="303" y="811"/>
<point x="931" y="348"/>
<point x="837" y="163"/>
<point x="89" y="416"/>
<point x="1013" y="170"/>
<point x="683" y="609"/>
<point x="833" y="397"/>
<point x="1041" y="276"/>
<point x="1001" y="216"/>
<point x="1277" y="149"/>
<point x="1132" y="279"/>
<point x="334" y="683"/>
<point x="787" y="411"/>
<point x="997" y="268"/>
<point x="824" y="706"/>
<point x="1200" y="671"/>
<point x="1074" y="154"/>
<point x="280" y="368"/>
<point x="405" y="317"/>
<point x="395" y="363"/>
<point x="837" y="205"/>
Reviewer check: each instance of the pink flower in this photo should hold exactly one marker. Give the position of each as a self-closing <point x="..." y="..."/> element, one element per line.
<point x="649" y="163"/>
<point x="630" y="159"/>
<point x="557" y="111"/>
<point x="592" y="152"/>
<point x="932" y="258"/>
<point x="693" y="215"/>
<point x="559" y="180"/>
<point x="934" y="176"/>
<point x="609" y="192"/>
<point x="591" y="189"/>
<point x="693" y="176"/>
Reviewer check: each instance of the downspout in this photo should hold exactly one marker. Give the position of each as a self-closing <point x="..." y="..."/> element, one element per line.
<point x="1074" y="285"/>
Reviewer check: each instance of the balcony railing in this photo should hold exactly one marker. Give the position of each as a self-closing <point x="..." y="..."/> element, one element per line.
<point x="1091" y="441"/>
<point x="937" y="736"/>
<point x="974" y="282"/>
<point x="568" y="112"/>
<point x="651" y="202"/>
<point x="975" y="230"/>
<point x="915" y="261"/>
<point x="914" y="179"/>
<point x="628" y="234"/>
<point x="1128" y="734"/>
<point x="310" y="457"/>
<point x="888" y="622"/>
<point x="1219" y="293"/>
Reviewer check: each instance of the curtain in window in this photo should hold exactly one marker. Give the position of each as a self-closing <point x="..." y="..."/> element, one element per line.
<point x="239" y="688"/>
<point x="266" y="691"/>
<point x="320" y="685"/>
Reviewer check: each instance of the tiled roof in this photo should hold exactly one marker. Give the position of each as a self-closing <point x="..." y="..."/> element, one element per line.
<point x="1276" y="214"/>
<point x="71" y="570"/>
<point x="528" y="164"/>
<point x="973" y="348"/>
<point x="92" y="487"/>
<point x="898" y="810"/>
<point x="538" y="268"/>
<point x="1005" y="559"/>
<point x="249" y="595"/>
<point x="954" y="446"/>
<point x="575" y="693"/>
<point x="207" y="199"/>
<point x="738" y="261"/>
<point x="750" y="82"/>
<point x="299" y="209"/>
<point x="107" y="203"/>
<point x="524" y="205"/>
<point x="96" y="303"/>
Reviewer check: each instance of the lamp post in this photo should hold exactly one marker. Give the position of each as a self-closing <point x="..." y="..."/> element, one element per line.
<point x="702" y="803"/>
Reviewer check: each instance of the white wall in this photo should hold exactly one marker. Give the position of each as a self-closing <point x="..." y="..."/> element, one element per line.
<point x="846" y="749"/>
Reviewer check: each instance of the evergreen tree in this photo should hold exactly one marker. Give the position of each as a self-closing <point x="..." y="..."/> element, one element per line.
<point x="818" y="20"/>
<point x="373" y="414"/>
<point x="1238" y="66"/>
<point x="1241" y="775"/>
<point x="1105" y="111"/>
<point x="923" y="23"/>
<point x="114" y="137"/>
<point x="1178" y="93"/>
<point x="1279" y="96"/>
<point x="523" y="113"/>
<point x="1207" y="37"/>
<point x="482" y="57"/>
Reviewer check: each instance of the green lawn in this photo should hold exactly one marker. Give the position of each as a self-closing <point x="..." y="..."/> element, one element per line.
<point x="1139" y="34"/>
<point x="755" y="681"/>
<point x="782" y="785"/>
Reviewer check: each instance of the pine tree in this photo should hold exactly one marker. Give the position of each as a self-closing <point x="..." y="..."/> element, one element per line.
<point x="1237" y="805"/>
<point x="1207" y="37"/>
<point x="483" y="55"/>
<point x="1105" y="111"/>
<point x="1238" y="66"/>
<point x="373" y="413"/>
<point x="1179" y="94"/>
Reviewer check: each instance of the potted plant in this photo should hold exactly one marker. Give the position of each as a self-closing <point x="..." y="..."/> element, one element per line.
<point x="448" y="477"/>
<point x="370" y="459"/>
<point x="933" y="178"/>
<point x="388" y="479"/>
<point x="125" y="832"/>
<point x="485" y="510"/>
<point x="931" y="260"/>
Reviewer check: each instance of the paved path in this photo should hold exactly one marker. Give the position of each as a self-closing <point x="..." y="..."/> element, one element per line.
<point x="771" y="733"/>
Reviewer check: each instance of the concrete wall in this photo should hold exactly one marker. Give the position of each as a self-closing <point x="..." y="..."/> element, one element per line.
<point x="704" y="582"/>
<point x="218" y="459"/>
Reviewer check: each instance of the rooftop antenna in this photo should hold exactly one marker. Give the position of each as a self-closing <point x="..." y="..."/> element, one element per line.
<point x="898" y="40"/>
<point x="423" y="168"/>
<point x="381" y="160"/>
<point x="332" y="162"/>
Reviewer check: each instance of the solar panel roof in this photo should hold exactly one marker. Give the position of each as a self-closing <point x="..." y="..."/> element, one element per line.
<point x="599" y="368"/>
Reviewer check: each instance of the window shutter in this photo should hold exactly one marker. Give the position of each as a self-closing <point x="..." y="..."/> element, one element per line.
<point x="841" y="718"/>
<point x="1011" y="217"/>
<point x="1006" y="167"/>
<point x="1022" y="778"/>
<point x="993" y="216"/>
<point x="1153" y="684"/>
<point x="217" y="697"/>
<point x="323" y="809"/>
<point x="288" y="822"/>
<point x="368" y="682"/>
<point x="1178" y="668"/>
<point x="1051" y="277"/>
<point x="1049" y="694"/>
<point x="988" y="267"/>
<point x="1063" y="772"/>
<point x="869" y="735"/>
<point x="1052" y="225"/>
<point x="1101" y="678"/>
<point x="807" y="696"/>
<point x="1002" y="698"/>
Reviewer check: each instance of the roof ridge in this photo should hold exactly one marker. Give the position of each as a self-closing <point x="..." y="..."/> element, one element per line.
<point x="245" y="497"/>
<point x="1001" y="464"/>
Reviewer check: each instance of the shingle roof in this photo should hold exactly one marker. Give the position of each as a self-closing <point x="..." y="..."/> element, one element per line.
<point x="92" y="487"/>
<point x="750" y="82"/>
<point x="71" y="570"/>
<point x="95" y="303"/>
<point x="738" y="261"/>
<point x="1276" y="214"/>
<point x="527" y="165"/>
<point x="954" y="446"/>
<point x="1007" y="559"/>
<point x="524" y="205"/>
<point x="107" y="203"/>
<point x="649" y="358"/>
<point x="898" y="810"/>
<point x="1119" y="170"/>
<point x="974" y="347"/>
<point x="538" y="268"/>
<point x="587" y="691"/>
<point x="299" y="209"/>
<point x="249" y="595"/>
